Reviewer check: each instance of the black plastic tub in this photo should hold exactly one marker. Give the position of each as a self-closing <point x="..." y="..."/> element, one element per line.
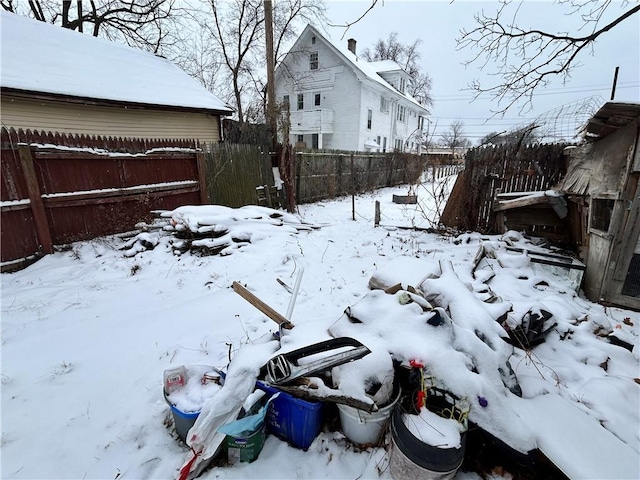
<point x="411" y="458"/>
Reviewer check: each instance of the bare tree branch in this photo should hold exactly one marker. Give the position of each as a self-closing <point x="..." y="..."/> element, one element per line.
<point x="527" y="58"/>
<point x="348" y="25"/>
<point x="408" y="57"/>
<point x="138" y="23"/>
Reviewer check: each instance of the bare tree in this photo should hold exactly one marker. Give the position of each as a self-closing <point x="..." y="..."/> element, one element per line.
<point x="145" y="24"/>
<point x="454" y="137"/>
<point x="527" y="135"/>
<point x="408" y="57"/>
<point x="528" y="58"/>
<point x="236" y="29"/>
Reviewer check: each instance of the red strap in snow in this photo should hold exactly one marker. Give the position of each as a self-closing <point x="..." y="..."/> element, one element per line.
<point x="186" y="469"/>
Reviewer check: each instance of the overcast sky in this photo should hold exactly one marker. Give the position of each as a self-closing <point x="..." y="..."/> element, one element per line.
<point x="438" y="24"/>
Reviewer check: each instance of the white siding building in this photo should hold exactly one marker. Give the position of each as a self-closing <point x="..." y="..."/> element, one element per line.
<point x="340" y="101"/>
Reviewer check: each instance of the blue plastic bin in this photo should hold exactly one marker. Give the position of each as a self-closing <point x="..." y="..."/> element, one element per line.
<point x="182" y="420"/>
<point x="292" y="419"/>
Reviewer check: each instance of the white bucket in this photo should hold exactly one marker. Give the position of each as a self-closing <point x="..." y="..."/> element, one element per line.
<point x="362" y="427"/>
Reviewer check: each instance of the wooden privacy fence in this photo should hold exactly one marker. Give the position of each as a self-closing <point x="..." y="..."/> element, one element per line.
<point x="58" y="189"/>
<point x="505" y="169"/>
<point x="233" y="171"/>
<point x="321" y="175"/>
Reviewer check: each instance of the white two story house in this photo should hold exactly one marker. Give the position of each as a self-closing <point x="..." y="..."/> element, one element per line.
<point x="340" y="101"/>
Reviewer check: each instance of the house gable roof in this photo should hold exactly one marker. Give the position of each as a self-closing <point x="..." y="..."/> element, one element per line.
<point x="46" y="59"/>
<point x="363" y="69"/>
<point x="384" y="66"/>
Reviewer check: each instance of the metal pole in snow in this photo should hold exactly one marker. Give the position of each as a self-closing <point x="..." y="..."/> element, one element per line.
<point x="294" y="295"/>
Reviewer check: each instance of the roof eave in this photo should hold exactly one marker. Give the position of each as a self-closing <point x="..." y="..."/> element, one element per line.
<point x="103" y="102"/>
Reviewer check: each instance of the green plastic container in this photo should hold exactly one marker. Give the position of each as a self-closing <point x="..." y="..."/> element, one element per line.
<point x="245" y="449"/>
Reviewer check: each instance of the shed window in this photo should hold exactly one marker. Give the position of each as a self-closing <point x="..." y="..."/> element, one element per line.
<point x="601" y="210"/>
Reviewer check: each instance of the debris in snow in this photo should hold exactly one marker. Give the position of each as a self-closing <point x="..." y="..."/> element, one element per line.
<point x="140" y="243"/>
<point x="215" y="229"/>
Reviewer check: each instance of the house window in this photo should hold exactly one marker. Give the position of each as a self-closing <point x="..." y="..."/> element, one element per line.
<point x="313" y="40"/>
<point x="285" y="101"/>
<point x="384" y="144"/>
<point x="300" y="101"/>
<point x="300" y="138"/>
<point x="369" y="118"/>
<point x="314" y="141"/>
<point x="316" y="99"/>
<point x="601" y="210"/>
<point x="400" y="115"/>
<point x="403" y="84"/>
<point x="398" y="144"/>
<point x="378" y="140"/>
<point x="313" y="61"/>
<point x="384" y="105"/>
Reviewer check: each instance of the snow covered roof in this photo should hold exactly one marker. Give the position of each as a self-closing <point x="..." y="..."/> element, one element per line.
<point x="40" y="57"/>
<point x="368" y="69"/>
<point x="385" y="66"/>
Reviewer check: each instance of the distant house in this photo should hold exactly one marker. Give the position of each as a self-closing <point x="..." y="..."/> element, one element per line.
<point x="338" y="100"/>
<point x="602" y="186"/>
<point x="55" y="79"/>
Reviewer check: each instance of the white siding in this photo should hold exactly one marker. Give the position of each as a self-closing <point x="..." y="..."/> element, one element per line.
<point x="346" y="98"/>
<point x="338" y="87"/>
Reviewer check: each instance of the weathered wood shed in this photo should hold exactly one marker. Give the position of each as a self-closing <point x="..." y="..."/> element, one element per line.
<point x="601" y="185"/>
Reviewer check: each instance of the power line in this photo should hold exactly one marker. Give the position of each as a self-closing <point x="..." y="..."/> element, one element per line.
<point x="486" y="96"/>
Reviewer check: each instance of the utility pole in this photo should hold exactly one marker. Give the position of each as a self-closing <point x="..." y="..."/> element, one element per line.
<point x="271" y="88"/>
<point x="280" y="163"/>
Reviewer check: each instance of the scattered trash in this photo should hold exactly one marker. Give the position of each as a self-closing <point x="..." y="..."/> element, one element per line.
<point x="186" y="389"/>
<point x="286" y="367"/>
<point x="366" y="428"/>
<point x="531" y="330"/>
<point x="141" y="242"/>
<point x="428" y="443"/>
<point x="246" y="436"/>
<point x="291" y="419"/>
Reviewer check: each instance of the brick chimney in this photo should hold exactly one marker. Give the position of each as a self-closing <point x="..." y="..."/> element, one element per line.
<point x="351" y="45"/>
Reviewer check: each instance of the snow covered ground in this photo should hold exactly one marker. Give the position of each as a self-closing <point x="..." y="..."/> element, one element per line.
<point x="87" y="334"/>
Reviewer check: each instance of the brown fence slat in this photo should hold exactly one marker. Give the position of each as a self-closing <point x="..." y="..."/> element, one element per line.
<point x="37" y="208"/>
<point x="507" y="168"/>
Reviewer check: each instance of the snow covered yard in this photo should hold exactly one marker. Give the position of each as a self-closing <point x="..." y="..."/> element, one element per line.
<point x="87" y="334"/>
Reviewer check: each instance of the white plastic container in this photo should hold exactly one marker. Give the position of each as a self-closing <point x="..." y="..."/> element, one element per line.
<point x="362" y="427"/>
